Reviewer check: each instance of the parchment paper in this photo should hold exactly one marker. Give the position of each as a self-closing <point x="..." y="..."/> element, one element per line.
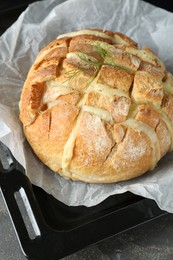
<point x="44" y="21"/>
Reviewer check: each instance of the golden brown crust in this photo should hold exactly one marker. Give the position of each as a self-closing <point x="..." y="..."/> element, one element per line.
<point x="96" y="108"/>
<point x="52" y="130"/>
<point x="115" y="77"/>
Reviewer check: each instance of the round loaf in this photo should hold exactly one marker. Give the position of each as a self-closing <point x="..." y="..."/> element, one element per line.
<point x="96" y="108"/>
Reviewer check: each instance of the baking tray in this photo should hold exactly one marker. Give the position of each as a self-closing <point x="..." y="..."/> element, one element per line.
<point x="10" y="11"/>
<point x="57" y="229"/>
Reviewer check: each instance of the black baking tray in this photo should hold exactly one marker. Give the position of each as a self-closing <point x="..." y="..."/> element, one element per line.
<point x="60" y="230"/>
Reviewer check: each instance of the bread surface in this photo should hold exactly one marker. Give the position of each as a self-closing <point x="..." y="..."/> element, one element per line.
<point x="96" y="108"/>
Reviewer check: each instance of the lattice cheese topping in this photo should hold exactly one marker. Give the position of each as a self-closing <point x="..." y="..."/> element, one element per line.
<point x="93" y="80"/>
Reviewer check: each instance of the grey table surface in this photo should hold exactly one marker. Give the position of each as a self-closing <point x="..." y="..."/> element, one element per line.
<point x="152" y="240"/>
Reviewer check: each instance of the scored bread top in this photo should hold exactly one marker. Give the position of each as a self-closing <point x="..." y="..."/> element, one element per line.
<point x="97" y="108"/>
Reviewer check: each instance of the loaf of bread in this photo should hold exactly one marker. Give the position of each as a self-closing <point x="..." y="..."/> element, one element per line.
<point x="96" y="108"/>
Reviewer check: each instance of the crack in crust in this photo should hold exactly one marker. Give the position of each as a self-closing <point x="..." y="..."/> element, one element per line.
<point x="96" y="108"/>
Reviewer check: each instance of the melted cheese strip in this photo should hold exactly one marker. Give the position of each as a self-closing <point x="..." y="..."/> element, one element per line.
<point x="133" y="110"/>
<point x="81" y="57"/>
<point x="107" y="91"/>
<point x="141" y="127"/>
<point x="53" y="83"/>
<point x="169" y="125"/>
<point x="53" y="91"/>
<point x="102" y="113"/>
<point x="69" y="146"/>
<point x="168" y="84"/>
<point x="86" y="32"/>
<point x="103" y="90"/>
<point x="145" y="55"/>
<point x="105" y="46"/>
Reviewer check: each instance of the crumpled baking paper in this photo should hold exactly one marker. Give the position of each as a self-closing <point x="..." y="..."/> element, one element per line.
<point x="38" y="25"/>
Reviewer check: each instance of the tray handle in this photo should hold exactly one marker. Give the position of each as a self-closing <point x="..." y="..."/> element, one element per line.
<point x="19" y="198"/>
